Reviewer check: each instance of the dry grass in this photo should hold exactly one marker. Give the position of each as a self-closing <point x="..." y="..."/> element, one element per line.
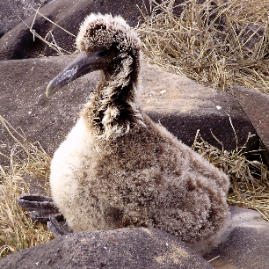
<point x="211" y="43"/>
<point x="17" y="230"/>
<point x="249" y="179"/>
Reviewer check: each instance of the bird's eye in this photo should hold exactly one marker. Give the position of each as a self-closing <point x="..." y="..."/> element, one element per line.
<point x="103" y="53"/>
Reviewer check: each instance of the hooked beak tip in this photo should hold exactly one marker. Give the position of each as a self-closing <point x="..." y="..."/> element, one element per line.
<point x="52" y="87"/>
<point x="49" y="90"/>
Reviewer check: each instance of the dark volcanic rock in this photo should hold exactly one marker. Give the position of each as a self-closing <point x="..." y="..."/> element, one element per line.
<point x="256" y="106"/>
<point x="247" y="242"/>
<point x="183" y="107"/>
<point x="23" y="102"/>
<point x="130" y="248"/>
<point x="176" y="102"/>
<point x="13" y="12"/>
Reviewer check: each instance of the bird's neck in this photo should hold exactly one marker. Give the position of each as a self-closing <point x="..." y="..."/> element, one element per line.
<point x="112" y="109"/>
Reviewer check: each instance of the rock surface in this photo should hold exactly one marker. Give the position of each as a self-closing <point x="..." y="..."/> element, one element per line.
<point x="130" y="248"/>
<point x="247" y="242"/>
<point x="176" y="102"/>
<point x="13" y="12"/>
<point x="246" y="246"/>
<point x="256" y="106"/>
<point x="183" y="107"/>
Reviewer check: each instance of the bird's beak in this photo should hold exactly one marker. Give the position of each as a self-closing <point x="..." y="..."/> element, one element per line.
<point x="81" y="65"/>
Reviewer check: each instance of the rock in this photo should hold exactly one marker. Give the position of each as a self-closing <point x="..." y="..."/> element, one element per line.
<point x="183" y="106"/>
<point x="130" y="248"/>
<point x="23" y="102"/>
<point x="19" y="44"/>
<point x="255" y="104"/>
<point x="251" y="35"/>
<point x="247" y="243"/>
<point x="246" y="247"/>
<point x="176" y="102"/>
<point x="13" y="12"/>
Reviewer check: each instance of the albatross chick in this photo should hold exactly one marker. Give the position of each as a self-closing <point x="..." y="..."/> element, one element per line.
<point x="117" y="168"/>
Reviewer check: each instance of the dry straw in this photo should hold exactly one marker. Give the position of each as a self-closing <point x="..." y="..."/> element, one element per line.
<point x="249" y="179"/>
<point x="216" y="43"/>
<point x="17" y="230"/>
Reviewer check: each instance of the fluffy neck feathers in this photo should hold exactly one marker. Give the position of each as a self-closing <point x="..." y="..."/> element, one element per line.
<point x="112" y="110"/>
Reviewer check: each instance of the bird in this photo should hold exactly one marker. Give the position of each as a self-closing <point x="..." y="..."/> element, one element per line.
<point x="117" y="168"/>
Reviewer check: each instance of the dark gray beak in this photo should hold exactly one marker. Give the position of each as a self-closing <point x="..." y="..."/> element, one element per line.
<point x="81" y="65"/>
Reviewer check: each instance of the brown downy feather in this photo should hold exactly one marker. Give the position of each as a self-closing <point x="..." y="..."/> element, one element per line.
<point x="119" y="169"/>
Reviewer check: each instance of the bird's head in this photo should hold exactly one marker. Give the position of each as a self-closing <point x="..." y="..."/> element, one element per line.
<point x="104" y="42"/>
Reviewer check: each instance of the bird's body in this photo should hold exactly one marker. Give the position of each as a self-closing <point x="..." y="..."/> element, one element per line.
<point x="117" y="168"/>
